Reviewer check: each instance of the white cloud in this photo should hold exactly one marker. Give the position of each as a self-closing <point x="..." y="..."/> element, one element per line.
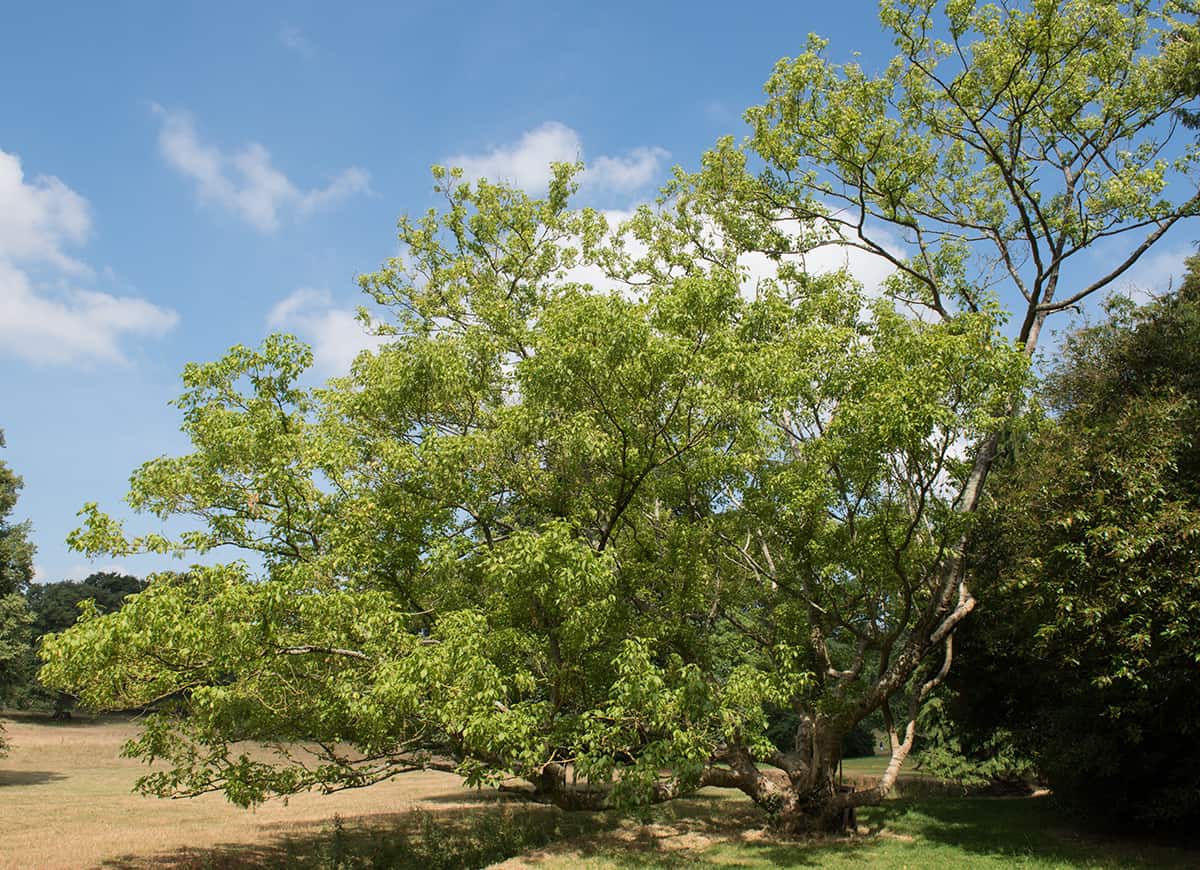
<point x="870" y="270"/>
<point x="80" y="326"/>
<point x="335" y="334"/>
<point x="37" y="220"/>
<point x="526" y="164"/>
<point x="39" y="217"/>
<point x="246" y="182"/>
<point x="294" y="39"/>
<point x="631" y="172"/>
<point x="78" y="571"/>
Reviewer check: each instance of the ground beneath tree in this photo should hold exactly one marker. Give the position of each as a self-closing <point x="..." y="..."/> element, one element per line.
<point x="65" y="802"/>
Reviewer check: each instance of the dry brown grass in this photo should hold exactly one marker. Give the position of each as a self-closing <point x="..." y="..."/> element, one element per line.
<point x="66" y="802"/>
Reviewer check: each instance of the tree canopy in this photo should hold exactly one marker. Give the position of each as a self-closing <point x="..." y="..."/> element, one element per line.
<point x="604" y="500"/>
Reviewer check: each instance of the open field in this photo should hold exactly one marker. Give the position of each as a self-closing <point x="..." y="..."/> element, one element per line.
<point x="65" y="801"/>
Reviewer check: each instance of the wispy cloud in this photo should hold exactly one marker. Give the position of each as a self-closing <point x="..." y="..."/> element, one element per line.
<point x="294" y="39"/>
<point x="246" y="182"/>
<point x="526" y="163"/>
<point x="335" y="334"/>
<point x="719" y="112"/>
<point x="1154" y="274"/>
<point x="38" y="219"/>
<point x="73" y="327"/>
<point x="78" y="571"/>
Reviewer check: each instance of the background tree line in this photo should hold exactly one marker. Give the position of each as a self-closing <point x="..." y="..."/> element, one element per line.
<point x="29" y="611"/>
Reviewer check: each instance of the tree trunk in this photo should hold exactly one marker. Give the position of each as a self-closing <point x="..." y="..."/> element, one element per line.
<point x="799" y="790"/>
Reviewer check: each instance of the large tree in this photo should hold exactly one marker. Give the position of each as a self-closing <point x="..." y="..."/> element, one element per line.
<point x="588" y="534"/>
<point x="16" y="550"/>
<point x="514" y="542"/>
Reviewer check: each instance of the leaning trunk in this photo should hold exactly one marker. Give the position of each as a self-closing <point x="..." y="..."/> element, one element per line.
<point x="798" y="790"/>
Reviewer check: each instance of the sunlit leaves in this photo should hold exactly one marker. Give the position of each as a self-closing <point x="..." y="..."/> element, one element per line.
<point x="550" y="524"/>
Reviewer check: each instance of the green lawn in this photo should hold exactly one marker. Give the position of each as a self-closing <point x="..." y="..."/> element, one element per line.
<point x="934" y="833"/>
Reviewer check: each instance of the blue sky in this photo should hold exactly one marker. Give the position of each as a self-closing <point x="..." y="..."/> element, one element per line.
<point x="178" y="178"/>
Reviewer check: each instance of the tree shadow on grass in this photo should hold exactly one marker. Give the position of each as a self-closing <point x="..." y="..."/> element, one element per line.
<point x="477" y="796"/>
<point x="675" y="835"/>
<point x="714" y="831"/>
<point x="28" y="777"/>
<point x="1021" y="828"/>
<point x="701" y="831"/>
<point x="418" y="839"/>
<point x="733" y="853"/>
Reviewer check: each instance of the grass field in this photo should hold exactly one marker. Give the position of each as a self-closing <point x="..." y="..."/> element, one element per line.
<point x="65" y="801"/>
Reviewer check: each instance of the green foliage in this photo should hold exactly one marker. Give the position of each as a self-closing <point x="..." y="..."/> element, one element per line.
<point x="1183" y="53"/>
<point x="960" y="740"/>
<point x="55" y="606"/>
<point x="14" y="641"/>
<point x="16" y="550"/>
<point x="16" y="571"/>
<point x="1089" y="645"/>
<point x="51" y="608"/>
<point x="510" y="538"/>
<point x="999" y="143"/>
